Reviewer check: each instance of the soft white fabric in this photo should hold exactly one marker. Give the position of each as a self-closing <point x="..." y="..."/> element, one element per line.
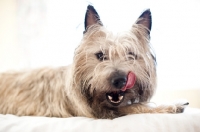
<point x="189" y="121"/>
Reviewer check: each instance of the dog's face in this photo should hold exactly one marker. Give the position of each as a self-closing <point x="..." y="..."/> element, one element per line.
<point x="114" y="71"/>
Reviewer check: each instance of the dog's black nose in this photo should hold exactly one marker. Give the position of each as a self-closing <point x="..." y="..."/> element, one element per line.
<point x="119" y="82"/>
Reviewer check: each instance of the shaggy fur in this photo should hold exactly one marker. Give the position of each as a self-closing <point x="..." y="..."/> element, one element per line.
<point x="92" y="85"/>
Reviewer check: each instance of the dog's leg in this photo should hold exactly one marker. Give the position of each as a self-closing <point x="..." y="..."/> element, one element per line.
<point x="145" y="108"/>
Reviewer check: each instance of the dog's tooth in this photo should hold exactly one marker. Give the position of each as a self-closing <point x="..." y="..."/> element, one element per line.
<point x="129" y="102"/>
<point x="136" y="100"/>
<point x="121" y="97"/>
<point x="115" y="101"/>
<point x="110" y="97"/>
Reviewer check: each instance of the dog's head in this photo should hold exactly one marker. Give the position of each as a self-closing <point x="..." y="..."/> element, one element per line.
<point x="115" y="70"/>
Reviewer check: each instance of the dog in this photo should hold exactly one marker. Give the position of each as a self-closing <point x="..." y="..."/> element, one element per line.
<point x="112" y="75"/>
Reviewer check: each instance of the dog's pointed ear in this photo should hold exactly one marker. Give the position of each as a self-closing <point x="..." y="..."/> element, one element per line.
<point x="91" y="17"/>
<point x="145" y="19"/>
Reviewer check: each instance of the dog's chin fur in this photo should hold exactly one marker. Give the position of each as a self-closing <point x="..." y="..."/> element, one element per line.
<point x="85" y="87"/>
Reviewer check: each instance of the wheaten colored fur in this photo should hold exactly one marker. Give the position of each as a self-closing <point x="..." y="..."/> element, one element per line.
<point x="81" y="88"/>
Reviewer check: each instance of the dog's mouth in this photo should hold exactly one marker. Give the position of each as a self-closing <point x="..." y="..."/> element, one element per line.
<point x="115" y="97"/>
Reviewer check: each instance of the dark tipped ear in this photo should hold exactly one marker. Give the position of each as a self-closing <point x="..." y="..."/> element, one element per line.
<point x="91" y="17"/>
<point x="145" y="19"/>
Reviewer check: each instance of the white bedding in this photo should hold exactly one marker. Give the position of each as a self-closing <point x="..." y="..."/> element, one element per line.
<point x="189" y="121"/>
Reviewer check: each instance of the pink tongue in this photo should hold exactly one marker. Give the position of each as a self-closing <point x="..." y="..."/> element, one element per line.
<point x="130" y="81"/>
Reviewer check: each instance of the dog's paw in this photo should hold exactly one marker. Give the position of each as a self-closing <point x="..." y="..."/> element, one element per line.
<point x="180" y="106"/>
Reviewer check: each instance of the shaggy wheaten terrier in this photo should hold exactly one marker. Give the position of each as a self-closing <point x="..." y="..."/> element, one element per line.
<point x="111" y="75"/>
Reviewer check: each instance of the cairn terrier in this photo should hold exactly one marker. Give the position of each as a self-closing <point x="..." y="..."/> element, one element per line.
<point x="112" y="75"/>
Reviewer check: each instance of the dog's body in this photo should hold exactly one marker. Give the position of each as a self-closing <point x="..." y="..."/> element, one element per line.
<point x="111" y="76"/>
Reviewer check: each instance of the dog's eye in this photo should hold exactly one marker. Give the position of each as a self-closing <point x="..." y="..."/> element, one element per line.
<point x="100" y="56"/>
<point x="132" y="55"/>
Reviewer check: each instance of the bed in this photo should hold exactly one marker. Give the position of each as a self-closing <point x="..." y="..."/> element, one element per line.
<point x="189" y="121"/>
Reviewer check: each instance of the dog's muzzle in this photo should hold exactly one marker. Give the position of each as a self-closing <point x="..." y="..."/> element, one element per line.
<point x="122" y="83"/>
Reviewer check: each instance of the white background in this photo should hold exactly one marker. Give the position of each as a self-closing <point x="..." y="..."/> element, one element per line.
<point x="46" y="32"/>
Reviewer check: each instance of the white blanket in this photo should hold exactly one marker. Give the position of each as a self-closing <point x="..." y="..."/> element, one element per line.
<point x="189" y="121"/>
